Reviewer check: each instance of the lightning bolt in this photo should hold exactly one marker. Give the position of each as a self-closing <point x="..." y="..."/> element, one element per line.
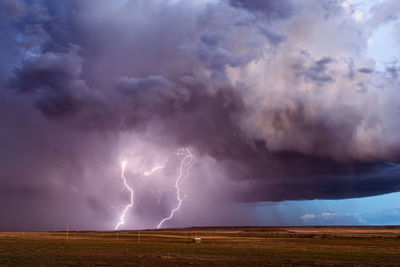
<point x="122" y="218"/>
<point x="188" y="161"/>
<point x="147" y="173"/>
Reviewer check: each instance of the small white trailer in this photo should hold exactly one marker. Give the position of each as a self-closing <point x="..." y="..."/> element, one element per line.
<point x="197" y="240"/>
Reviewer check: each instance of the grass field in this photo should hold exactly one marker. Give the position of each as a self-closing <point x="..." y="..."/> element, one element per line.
<point x="227" y="246"/>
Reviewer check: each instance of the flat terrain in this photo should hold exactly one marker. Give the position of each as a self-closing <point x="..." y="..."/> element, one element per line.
<point x="227" y="246"/>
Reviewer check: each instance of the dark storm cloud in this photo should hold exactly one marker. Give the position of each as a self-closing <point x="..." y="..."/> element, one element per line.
<point x="54" y="81"/>
<point x="273" y="10"/>
<point x="331" y="180"/>
<point x="393" y="71"/>
<point x="13" y="8"/>
<point x="268" y="12"/>
<point x="365" y="70"/>
<point x="317" y="73"/>
<point x="215" y="57"/>
<point x="229" y="79"/>
<point x="149" y="87"/>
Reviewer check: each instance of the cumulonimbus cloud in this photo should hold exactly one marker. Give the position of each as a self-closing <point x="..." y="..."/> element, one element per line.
<point x="278" y="94"/>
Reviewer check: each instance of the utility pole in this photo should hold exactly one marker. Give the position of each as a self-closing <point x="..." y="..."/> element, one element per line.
<point x="67" y="232"/>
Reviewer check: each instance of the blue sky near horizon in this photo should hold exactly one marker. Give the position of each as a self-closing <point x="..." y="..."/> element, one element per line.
<point x="375" y="210"/>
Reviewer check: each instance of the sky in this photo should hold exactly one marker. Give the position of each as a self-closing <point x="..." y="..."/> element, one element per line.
<point x="249" y="112"/>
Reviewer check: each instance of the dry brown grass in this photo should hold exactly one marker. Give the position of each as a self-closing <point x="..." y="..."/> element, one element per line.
<point x="229" y="246"/>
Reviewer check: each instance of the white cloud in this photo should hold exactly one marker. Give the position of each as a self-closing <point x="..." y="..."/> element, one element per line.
<point x="358" y="15"/>
<point x="308" y="216"/>
<point x="332" y="218"/>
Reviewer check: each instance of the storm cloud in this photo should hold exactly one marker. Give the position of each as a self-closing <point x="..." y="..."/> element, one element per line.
<point x="266" y="94"/>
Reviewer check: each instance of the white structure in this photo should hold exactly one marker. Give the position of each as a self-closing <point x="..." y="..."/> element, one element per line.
<point x="197" y="240"/>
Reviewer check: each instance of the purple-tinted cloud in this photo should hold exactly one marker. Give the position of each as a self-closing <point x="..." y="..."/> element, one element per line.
<point x="266" y="94"/>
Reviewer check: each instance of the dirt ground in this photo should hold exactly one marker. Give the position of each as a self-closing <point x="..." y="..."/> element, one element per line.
<point x="220" y="246"/>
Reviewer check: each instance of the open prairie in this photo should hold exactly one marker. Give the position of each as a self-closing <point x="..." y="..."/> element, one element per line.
<point x="222" y="246"/>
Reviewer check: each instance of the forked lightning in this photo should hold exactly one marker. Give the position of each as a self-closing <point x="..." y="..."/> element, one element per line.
<point x="122" y="218"/>
<point x="187" y="162"/>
